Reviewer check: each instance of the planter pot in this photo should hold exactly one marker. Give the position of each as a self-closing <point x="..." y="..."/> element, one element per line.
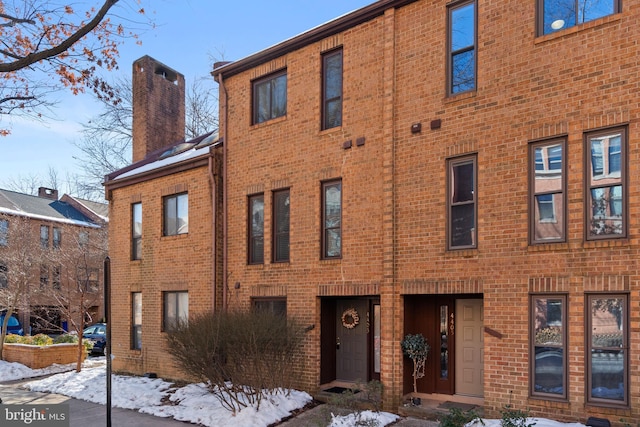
<point x="416" y="401"/>
<point x="36" y="356"/>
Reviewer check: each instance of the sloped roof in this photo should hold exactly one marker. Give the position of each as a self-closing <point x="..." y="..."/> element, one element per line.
<point x="13" y="203"/>
<point x="100" y="210"/>
<point x="178" y="152"/>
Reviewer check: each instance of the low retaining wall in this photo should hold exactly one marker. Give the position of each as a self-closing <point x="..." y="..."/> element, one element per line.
<point x="37" y="356"/>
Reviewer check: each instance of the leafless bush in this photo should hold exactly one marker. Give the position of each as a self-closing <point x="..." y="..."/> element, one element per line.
<point x="243" y="356"/>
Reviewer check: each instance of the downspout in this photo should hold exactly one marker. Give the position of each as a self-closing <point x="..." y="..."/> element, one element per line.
<point x="225" y="116"/>
<point x="214" y="227"/>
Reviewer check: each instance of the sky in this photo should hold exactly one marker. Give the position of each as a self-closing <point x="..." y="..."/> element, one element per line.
<point x="192" y="403"/>
<point x="187" y="35"/>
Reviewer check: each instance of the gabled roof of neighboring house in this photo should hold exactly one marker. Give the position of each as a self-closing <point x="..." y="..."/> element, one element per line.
<point x="13" y="203"/>
<point x="181" y="153"/>
<point x="96" y="211"/>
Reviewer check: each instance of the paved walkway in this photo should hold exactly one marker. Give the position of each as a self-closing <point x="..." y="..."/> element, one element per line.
<point x="82" y="413"/>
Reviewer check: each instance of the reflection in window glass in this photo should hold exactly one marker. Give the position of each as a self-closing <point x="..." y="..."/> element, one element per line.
<point x="462" y="203"/>
<point x="270" y="98"/>
<point x="176" y="215"/>
<point x="606" y="164"/>
<point x="332" y="89"/>
<point x="462" y="51"/>
<point x="607" y="327"/>
<point x="281" y="226"/>
<point x="549" y="341"/>
<point x="560" y="14"/>
<point x="332" y="219"/>
<point x="256" y="229"/>
<point x="136" y="231"/>
<point x="176" y="309"/>
<point x="547" y="205"/>
<point x="4" y="232"/>
<point x="136" y="320"/>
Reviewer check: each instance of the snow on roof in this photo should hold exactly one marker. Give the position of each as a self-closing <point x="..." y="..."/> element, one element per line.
<point x="192" y="153"/>
<point x="47" y="218"/>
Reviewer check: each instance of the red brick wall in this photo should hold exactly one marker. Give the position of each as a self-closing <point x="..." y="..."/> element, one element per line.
<point x="528" y="88"/>
<point x="169" y="263"/>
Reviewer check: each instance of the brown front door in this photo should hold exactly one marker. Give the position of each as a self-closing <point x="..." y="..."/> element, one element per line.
<point x="351" y="340"/>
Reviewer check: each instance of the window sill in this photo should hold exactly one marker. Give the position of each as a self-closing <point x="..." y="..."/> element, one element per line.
<point x="460" y="96"/>
<point x="619" y="242"/>
<point x="578" y="28"/>
<point x="337" y="129"/>
<point x="548" y="246"/>
<point x="462" y="253"/>
<point x="330" y="261"/>
<point x="551" y="402"/>
<point x="176" y="236"/>
<point x="268" y="122"/>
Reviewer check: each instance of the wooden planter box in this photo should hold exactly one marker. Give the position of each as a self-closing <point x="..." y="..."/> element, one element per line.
<point x="37" y="356"/>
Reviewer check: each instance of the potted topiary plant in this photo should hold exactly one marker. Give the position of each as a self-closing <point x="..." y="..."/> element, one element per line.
<point x="417" y="349"/>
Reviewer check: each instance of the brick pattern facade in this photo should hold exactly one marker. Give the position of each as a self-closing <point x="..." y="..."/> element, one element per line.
<point x="169" y="263"/>
<point x="394" y="192"/>
<point x="394" y="186"/>
<point x="158" y="106"/>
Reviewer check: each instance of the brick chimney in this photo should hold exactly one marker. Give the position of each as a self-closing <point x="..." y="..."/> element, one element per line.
<point x="158" y="106"/>
<point x="48" y="193"/>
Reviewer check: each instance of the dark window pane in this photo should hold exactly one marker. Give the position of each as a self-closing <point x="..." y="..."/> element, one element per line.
<point x="549" y="375"/>
<point x="333" y="114"/>
<point x="607" y="374"/>
<point x="462" y="225"/>
<point x="263" y="102"/>
<point x="333" y="81"/>
<point x="332" y="90"/>
<point x="463" y="182"/>
<point x="281" y="223"/>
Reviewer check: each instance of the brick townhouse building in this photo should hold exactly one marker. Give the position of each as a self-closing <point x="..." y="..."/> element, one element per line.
<point x="465" y="170"/>
<point x="49" y="248"/>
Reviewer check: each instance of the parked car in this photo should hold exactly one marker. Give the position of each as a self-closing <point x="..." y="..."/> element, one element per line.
<point x="14" y="326"/>
<point x="98" y="335"/>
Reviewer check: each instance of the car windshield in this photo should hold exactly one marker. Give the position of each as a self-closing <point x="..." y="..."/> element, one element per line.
<point x="89" y="330"/>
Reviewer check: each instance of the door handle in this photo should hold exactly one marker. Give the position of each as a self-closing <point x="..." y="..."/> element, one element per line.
<point x="338" y="343"/>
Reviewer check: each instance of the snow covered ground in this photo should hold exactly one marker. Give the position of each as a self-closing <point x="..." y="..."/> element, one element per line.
<point x="191" y="403"/>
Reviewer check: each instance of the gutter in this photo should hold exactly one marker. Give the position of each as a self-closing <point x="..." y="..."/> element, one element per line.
<point x="214" y="224"/>
<point x="225" y="116"/>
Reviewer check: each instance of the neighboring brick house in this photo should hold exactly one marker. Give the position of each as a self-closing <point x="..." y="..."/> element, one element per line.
<point x="49" y="248"/>
<point x="464" y="170"/>
<point x="162" y="221"/>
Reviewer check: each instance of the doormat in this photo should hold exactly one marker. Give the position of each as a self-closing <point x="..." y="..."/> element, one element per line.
<point x="340" y="390"/>
<point x="462" y="406"/>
